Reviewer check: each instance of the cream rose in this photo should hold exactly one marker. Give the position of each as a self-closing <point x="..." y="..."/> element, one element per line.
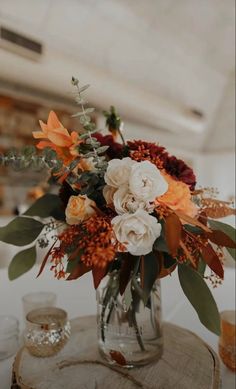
<point x="137" y="231"/>
<point x="146" y="182"/>
<point x="124" y="201"/>
<point x="108" y="193"/>
<point x="118" y="171"/>
<point x="79" y="208"/>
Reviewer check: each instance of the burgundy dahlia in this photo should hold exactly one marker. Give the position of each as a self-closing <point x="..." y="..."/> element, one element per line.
<point x="178" y="169"/>
<point x="115" y="149"/>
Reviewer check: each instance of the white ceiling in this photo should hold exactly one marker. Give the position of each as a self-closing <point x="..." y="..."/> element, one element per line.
<point x="155" y="60"/>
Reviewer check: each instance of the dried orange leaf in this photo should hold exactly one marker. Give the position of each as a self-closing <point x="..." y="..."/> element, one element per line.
<point x="78" y="271"/>
<point x="220" y="238"/>
<point x="173" y="230"/>
<point x="118" y="357"/>
<point x="212" y="260"/>
<point x="98" y="275"/>
<point x="43" y="264"/>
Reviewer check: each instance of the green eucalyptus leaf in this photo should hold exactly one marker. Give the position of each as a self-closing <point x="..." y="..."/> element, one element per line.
<point x="228" y="230"/>
<point x="199" y="295"/>
<point x="102" y="149"/>
<point x="83" y="88"/>
<point x="45" y="206"/>
<point x="21" y="231"/>
<point x="21" y="263"/>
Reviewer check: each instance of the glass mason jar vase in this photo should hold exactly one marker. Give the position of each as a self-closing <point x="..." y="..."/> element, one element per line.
<point x="129" y="332"/>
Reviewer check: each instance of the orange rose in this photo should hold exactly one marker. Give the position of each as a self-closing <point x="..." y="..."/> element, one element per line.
<point x="79" y="208"/>
<point x="178" y="197"/>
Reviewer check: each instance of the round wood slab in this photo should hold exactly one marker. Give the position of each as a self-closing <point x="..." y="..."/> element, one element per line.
<point x="187" y="363"/>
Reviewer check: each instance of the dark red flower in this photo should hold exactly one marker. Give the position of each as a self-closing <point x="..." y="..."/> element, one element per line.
<point x="180" y="170"/>
<point x="153" y="149"/>
<point x="141" y="151"/>
<point x="115" y="149"/>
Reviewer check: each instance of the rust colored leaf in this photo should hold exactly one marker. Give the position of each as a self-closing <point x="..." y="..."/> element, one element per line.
<point x="43" y="264"/>
<point x="78" y="271"/>
<point x="173" y="230"/>
<point x="98" y="275"/>
<point x="127" y="266"/>
<point x="212" y="260"/>
<point x="190" y="220"/>
<point x="118" y="357"/>
<point x="163" y="270"/>
<point x="220" y="238"/>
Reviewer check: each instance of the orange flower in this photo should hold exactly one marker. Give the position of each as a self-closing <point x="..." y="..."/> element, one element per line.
<point x="59" y="139"/>
<point x="177" y="197"/>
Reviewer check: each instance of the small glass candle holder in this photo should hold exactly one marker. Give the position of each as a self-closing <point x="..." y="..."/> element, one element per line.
<point x="227" y="341"/>
<point x="37" y="300"/>
<point x="9" y="336"/>
<point x="47" y="331"/>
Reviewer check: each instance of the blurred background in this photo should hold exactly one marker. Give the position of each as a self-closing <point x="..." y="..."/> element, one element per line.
<point x="166" y="65"/>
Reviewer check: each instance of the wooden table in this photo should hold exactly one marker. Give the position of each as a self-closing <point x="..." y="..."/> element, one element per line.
<point x="187" y="363"/>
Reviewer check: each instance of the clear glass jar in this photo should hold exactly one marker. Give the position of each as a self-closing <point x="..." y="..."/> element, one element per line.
<point x="9" y="336"/>
<point x="47" y="331"/>
<point x="227" y="340"/>
<point x="129" y="336"/>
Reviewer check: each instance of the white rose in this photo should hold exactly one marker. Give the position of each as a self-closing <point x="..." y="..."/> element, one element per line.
<point x="146" y="181"/>
<point x="125" y="201"/>
<point x="108" y="193"/>
<point x="79" y="208"/>
<point x="137" y="231"/>
<point x="118" y="171"/>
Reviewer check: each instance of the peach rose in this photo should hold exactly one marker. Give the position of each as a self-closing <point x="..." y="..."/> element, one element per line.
<point x="79" y="208"/>
<point x="178" y="197"/>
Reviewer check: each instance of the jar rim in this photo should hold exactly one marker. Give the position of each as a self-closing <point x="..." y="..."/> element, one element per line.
<point x="33" y="297"/>
<point x="38" y="317"/>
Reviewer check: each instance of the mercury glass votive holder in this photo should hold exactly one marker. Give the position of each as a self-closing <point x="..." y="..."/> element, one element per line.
<point x="47" y="331"/>
<point x="227" y="341"/>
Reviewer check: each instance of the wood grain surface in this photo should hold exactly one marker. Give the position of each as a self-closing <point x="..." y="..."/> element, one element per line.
<point x="187" y="363"/>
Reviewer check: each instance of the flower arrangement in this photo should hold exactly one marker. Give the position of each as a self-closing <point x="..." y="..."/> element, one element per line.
<point x="127" y="207"/>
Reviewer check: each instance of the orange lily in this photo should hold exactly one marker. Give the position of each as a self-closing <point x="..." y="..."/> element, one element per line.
<point x="59" y="139"/>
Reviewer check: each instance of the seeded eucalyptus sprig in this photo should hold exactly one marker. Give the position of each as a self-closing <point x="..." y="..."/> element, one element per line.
<point x="91" y="147"/>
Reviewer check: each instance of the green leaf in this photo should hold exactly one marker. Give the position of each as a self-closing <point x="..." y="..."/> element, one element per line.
<point x="149" y="273"/>
<point x="199" y="295"/>
<point x="160" y="244"/>
<point x="21" y="263"/>
<point x="128" y="296"/>
<point x="195" y="230"/>
<point x="201" y="267"/>
<point x="168" y="261"/>
<point x="21" y="231"/>
<point x="45" y="206"/>
<point x="228" y="230"/>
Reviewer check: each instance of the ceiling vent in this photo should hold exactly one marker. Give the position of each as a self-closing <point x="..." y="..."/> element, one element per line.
<point x="20" y="44"/>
